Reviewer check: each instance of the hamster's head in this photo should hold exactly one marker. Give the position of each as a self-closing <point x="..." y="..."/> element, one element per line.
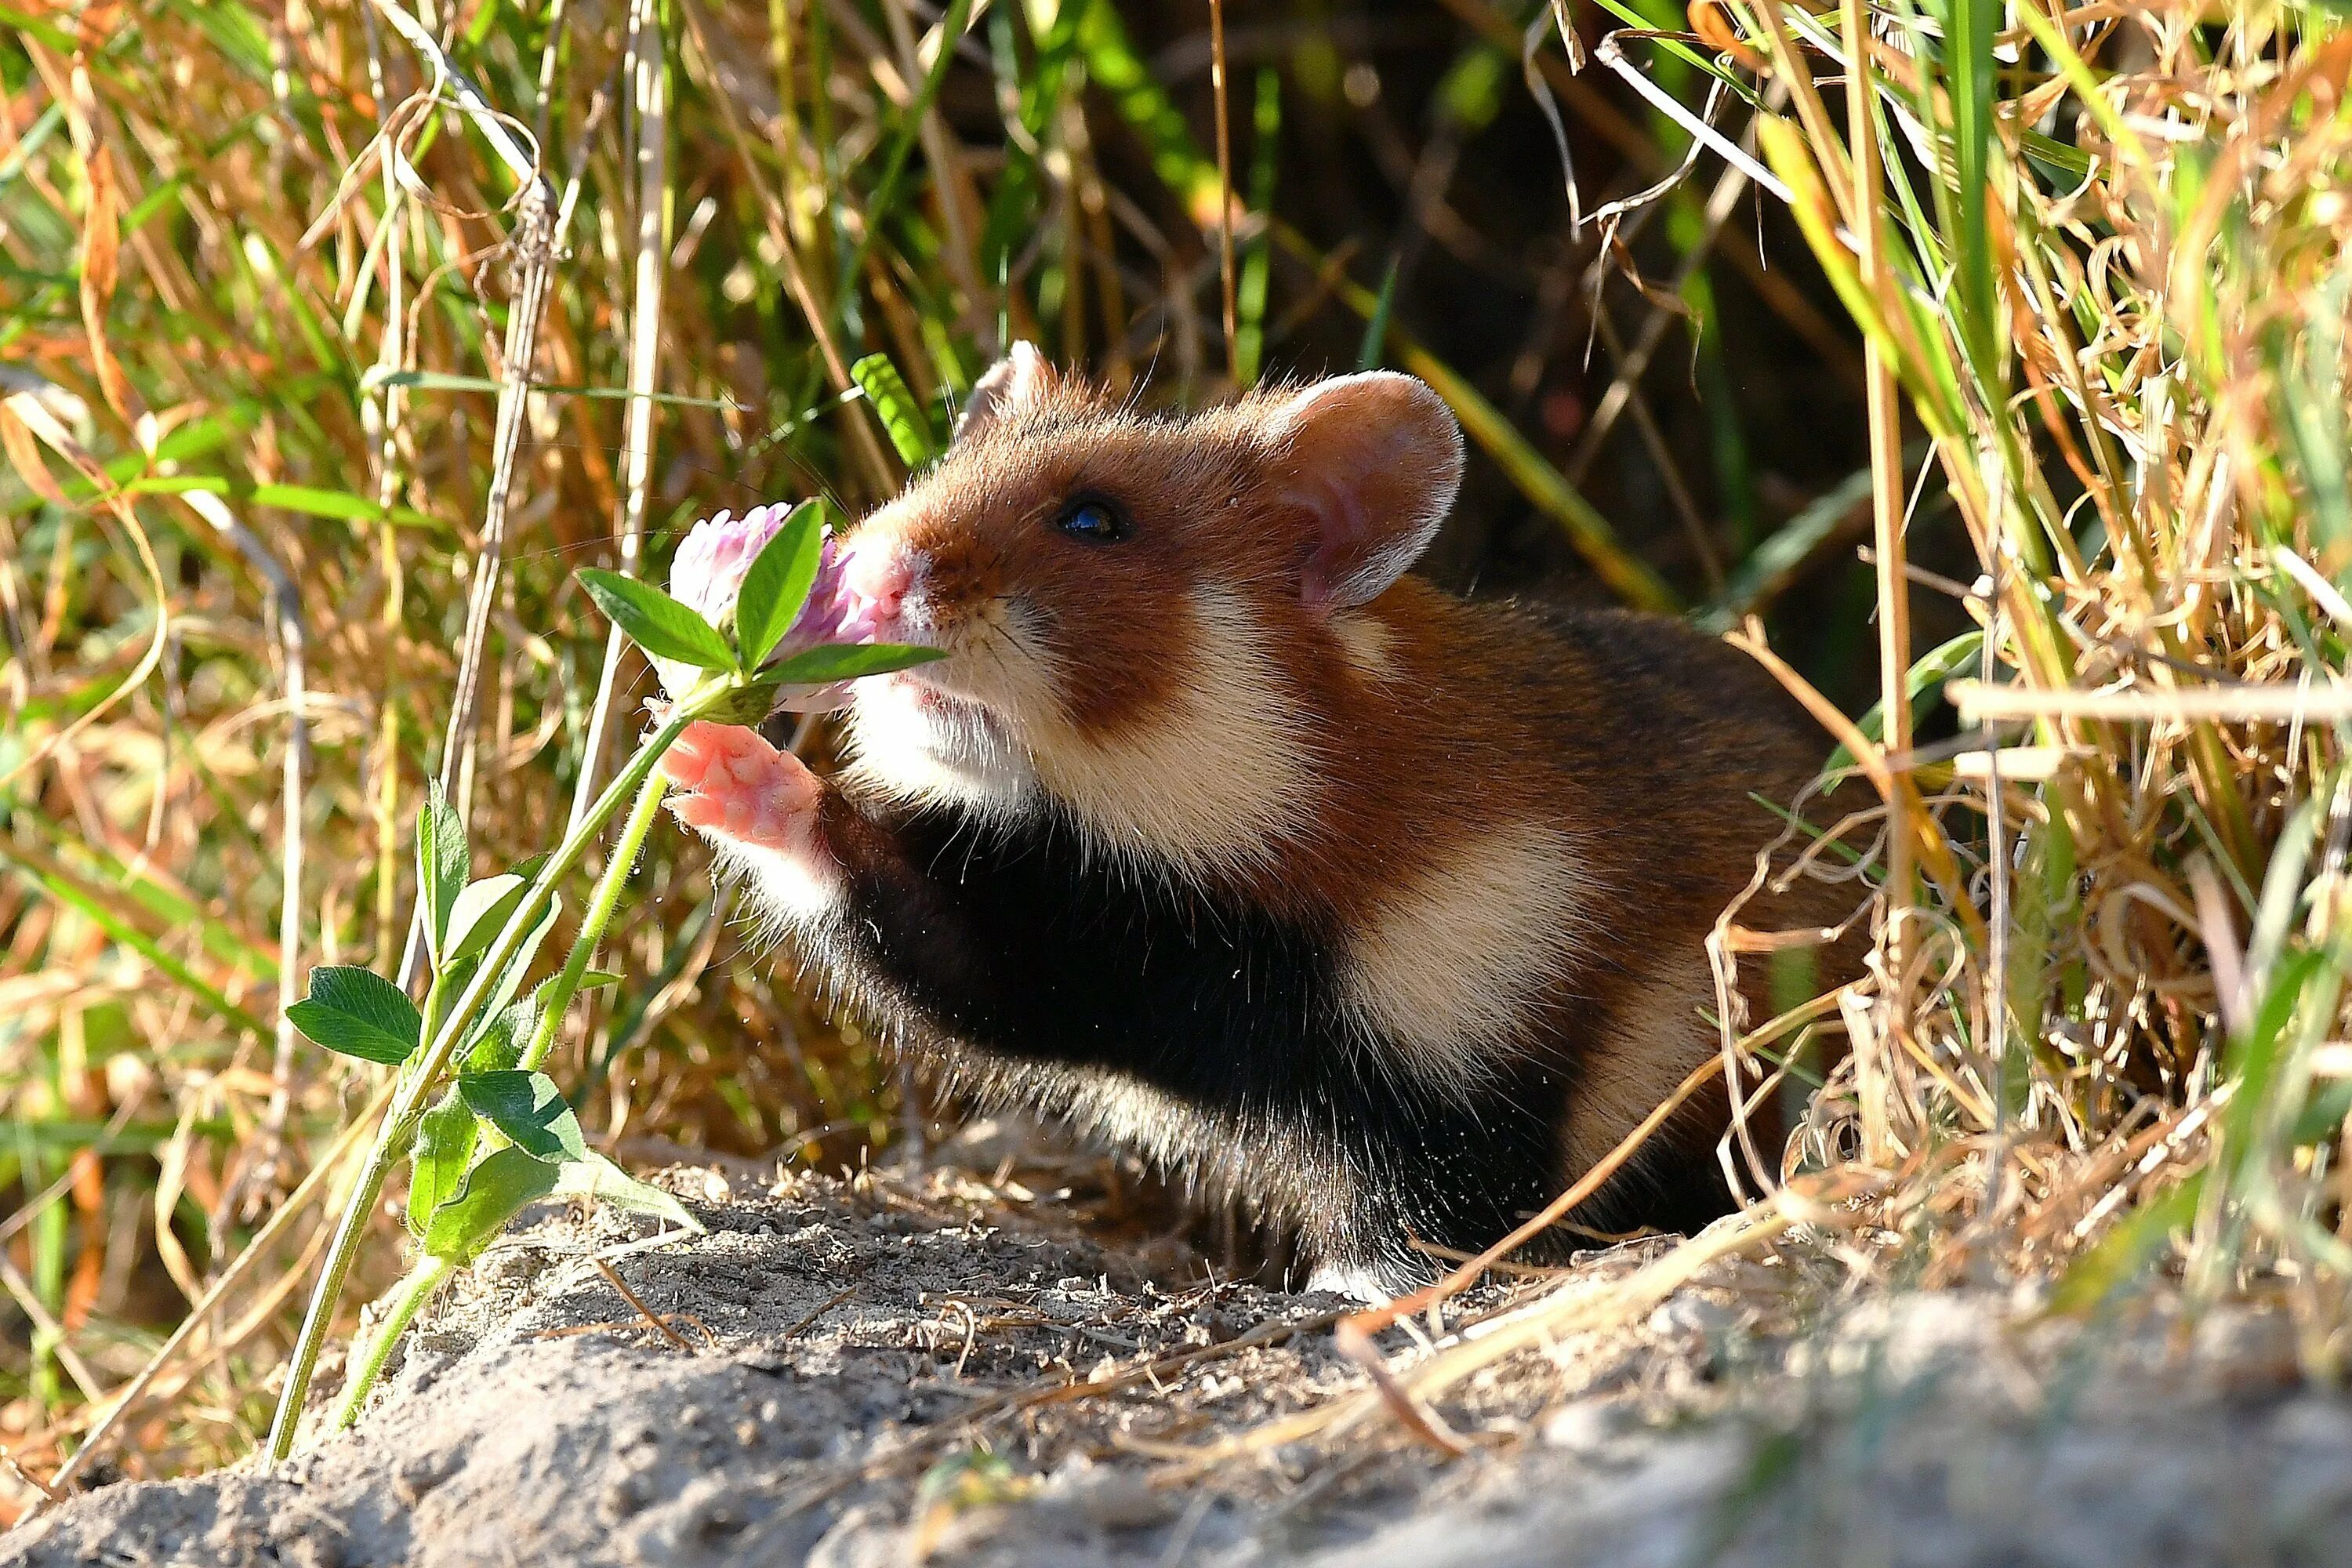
<point x="1126" y="601"/>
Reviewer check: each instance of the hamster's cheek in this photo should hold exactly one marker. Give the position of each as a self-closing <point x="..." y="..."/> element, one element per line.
<point x="915" y="743"/>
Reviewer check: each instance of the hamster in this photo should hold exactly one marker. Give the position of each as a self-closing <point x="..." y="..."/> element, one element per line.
<point x="1218" y="836"/>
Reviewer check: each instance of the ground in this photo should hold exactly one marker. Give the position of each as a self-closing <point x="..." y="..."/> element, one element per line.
<point x="888" y="1370"/>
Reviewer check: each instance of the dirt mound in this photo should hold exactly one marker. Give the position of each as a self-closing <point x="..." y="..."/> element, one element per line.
<point x="876" y="1373"/>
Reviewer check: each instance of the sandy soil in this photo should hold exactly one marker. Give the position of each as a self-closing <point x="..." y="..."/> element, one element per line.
<point x="882" y="1373"/>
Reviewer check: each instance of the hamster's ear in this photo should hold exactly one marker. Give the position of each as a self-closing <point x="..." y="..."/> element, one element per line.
<point x="1372" y="462"/>
<point x="1018" y="381"/>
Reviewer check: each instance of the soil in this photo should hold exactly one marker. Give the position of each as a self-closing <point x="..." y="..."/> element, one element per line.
<point x="882" y="1370"/>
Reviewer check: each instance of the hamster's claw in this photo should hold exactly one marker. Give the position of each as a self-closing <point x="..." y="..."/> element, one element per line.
<point x="733" y="785"/>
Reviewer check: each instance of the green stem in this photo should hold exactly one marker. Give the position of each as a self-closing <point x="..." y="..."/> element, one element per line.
<point x="340" y="1253"/>
<point x="409" y="1107"/>
<point x="409" y="1295"/>
<point x="436" y="997"/>
<point x="599" y="914"/>
<point x="417" y="1288"/>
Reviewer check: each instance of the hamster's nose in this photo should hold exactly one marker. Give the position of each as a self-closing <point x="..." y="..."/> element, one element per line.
<point x="883" y="577"/>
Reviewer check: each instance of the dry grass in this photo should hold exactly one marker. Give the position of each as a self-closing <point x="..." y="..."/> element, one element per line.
<point x="2131" y="363"/>
<point x="280" y="508"/>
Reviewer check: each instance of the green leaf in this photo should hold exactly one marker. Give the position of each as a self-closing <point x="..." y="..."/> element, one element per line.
<point x="656" y="622"/>
<point x="597" y="1177"/>
<point x="529" y="1110"/>
<point x="902" y="414"/>
<point x="499" y="1045"/>
<point x="778" y="584"/>
<point x="443" y="864"/>
<point x="481" y="912"/>
<point x="829" y="662"/>
<point x="2322" y="1117"/>
<point x="1924" y="683"/>
<point x="1470" y="93"/>
<point x="445" y="1137"/>
<point x="494" y="1190"/>
<point x="1968" y="31"/>
<point x="359" y="1012"/>
<point x="2306" y="982"/>
<point x="337" y="504"/>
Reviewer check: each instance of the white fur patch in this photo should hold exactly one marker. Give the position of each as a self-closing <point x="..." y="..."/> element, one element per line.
<point x="1212" y="783"/>
<point x="943" y="734"/>
<point x="790" y="892"/>
<point x="1449" y="965"/>
<point x="1358" y="1283"/>
<point x="1269" y="1165"/>
<point x="1131" y="1115"/>
<point x="923" y="752"/>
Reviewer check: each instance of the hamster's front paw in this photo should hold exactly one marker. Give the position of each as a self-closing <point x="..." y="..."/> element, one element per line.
<point x="734" y="786"/>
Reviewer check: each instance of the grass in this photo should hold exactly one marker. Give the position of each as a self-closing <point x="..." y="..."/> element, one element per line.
<point x="287" y="536"/>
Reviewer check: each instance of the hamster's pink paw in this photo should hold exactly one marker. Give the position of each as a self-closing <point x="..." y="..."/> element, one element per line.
<point x="733" y="785"/>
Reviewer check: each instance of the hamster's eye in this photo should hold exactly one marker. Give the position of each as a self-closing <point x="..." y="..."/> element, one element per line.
<point x="1093" y="521"/>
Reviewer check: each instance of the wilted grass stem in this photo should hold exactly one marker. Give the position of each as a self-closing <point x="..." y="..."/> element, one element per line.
<point x="644" y="66"/>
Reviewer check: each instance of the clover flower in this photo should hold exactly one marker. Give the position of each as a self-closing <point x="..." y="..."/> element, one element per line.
<point x="707" y="576"/>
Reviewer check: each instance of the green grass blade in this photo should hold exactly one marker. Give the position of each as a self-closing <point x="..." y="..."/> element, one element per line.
<point x="902" y="412"/>
<point x="1249" y="340"/>
<point x="1374" y="348"/>
<point x="68" y="890"/>
<point x="1969" y="45"/>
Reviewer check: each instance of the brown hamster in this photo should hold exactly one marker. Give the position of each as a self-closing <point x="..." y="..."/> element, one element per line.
<point x="1219" y="836"/>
